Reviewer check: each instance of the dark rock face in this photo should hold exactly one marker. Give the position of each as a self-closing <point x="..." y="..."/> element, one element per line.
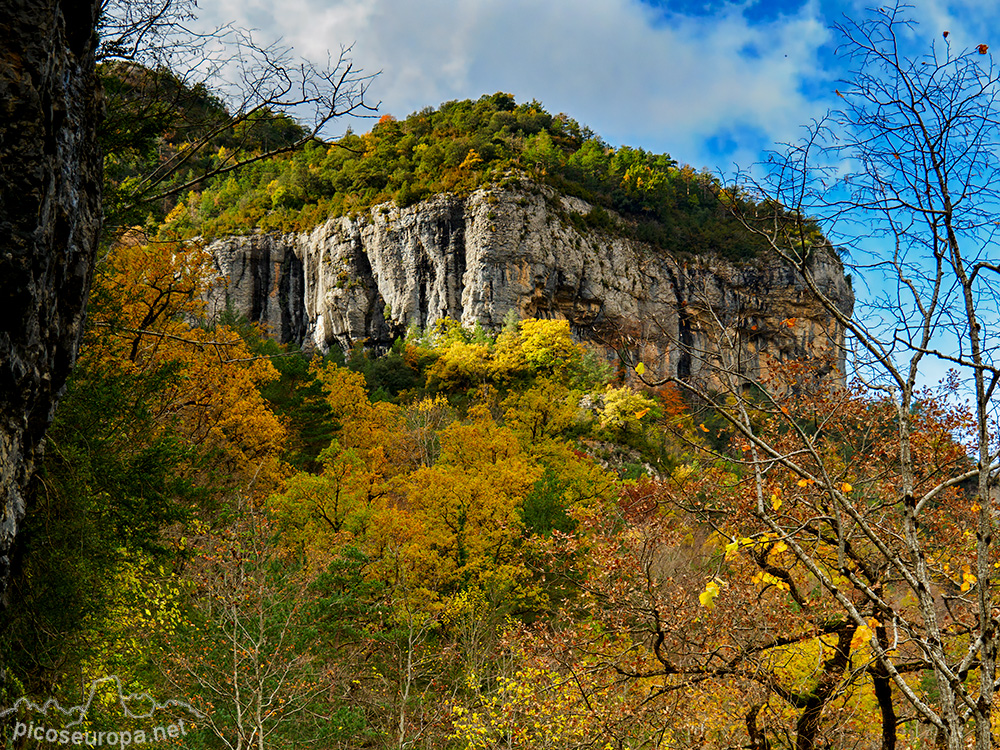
<point x="263" y="281"/>
<point x="478" y="257"/>
<point x="50" y="212"/>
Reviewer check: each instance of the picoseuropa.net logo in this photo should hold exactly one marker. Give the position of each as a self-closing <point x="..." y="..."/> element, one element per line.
<point x="147" y="720"/>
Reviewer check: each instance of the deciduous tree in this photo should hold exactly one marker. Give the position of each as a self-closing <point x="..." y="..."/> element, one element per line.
<point x="910" y="158"/>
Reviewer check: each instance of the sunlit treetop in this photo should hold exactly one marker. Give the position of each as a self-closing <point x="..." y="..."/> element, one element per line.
<point x="463" y="146"/>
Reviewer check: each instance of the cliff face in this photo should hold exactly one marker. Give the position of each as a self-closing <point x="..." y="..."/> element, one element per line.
<point x="476" y="258"/>
<point x="50" y="192"/>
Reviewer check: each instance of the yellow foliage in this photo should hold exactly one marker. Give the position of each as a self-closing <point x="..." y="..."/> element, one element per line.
<point x="767" y="579"/>
<point x="968" y="578"/>
<point x="423" y="420"/>
<point x="363" y="425"/>
<point x="682" y="474"/>
<point x="345" y="390"/>
<point x="143" y="601"/>
<point x="537" y="346"/>
<point x="144" y="304"/>
<point x="460" y="365"/>
<point x="861" y="637"/>
<point x="545" y="410"/>
<point x="548" y="345"/>
<point x="707" y="597"/>
<point x="536" y="708"/>
<point x="733" y="547"/>
<point x="468" y="503"/>
<point x="585" y="484"/>
<point x="472" y="159"/>
<point x="622" y="405"/>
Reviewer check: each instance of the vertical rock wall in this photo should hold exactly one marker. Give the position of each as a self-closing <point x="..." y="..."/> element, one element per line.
<point x="50" y="192"/>
<point x="476" y="258"/>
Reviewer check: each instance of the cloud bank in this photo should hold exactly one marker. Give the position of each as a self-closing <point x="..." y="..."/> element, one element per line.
<point x="713" y="85"/>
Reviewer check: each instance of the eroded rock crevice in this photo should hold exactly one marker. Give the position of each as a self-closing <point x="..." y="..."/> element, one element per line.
<point x="476" y="258"/>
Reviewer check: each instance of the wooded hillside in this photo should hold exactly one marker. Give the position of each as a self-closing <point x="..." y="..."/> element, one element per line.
<point x="493" y="539"/>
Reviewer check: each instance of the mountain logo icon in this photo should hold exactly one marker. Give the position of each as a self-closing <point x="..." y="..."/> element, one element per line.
<point x="134" y="705"/>
<point x="52" y="723"/>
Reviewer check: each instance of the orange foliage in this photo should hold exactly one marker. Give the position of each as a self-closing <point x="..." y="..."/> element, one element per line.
<point x="145" y="309"/>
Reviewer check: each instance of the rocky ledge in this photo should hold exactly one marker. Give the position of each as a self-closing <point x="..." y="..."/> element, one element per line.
<point x="475" y="258"/>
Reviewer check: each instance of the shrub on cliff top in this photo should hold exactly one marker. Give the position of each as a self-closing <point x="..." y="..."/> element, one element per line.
<point x="465" y="145"/>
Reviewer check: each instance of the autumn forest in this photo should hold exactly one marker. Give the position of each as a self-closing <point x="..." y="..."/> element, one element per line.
<point x="517" y="537"/>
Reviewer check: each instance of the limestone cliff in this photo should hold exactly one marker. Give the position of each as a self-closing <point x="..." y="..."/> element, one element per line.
<point x="477" y="257"/>
<point x="50" y="192"/>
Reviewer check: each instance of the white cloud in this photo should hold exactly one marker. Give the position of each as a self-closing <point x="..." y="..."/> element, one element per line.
<point x="611" y="64"/>
<point x="634" y="75"/>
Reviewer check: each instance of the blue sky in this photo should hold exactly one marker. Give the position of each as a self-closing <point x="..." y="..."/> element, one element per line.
<point x="714" y="83"/>
<point x="711" y="82"/>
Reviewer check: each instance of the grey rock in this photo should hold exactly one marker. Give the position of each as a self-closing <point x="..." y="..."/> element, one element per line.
<point x="50" y="193"/>
<point x="475" y="258"/>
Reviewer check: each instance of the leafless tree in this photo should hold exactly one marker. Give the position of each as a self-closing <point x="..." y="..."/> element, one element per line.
<point x="245" y="657"/>
<point x="165" y="63"/>
<point x="907" y="167"/>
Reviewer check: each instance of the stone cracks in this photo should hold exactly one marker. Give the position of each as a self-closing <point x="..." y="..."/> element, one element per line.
<point x="50" y="193"/>
<point x="476" y="258"/>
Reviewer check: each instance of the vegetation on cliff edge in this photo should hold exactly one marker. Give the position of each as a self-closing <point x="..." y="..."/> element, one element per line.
<point x="465" y="145"/>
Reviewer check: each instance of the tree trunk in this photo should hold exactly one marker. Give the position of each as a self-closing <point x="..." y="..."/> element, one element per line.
<point x="807" y="726"/>
<point x="50" y="213"/>
<point x="758" y="740"/>
<point x="882" y="685"/>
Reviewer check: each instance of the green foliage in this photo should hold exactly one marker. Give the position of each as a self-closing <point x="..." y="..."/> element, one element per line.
<point x="391" y="575"/>
<point x="155" y="433"/>
<point x="298" y="398"/>
<point x="544" y="509"/>
<point x="465" y="145"/>
<point x="346" y="607"/>
<point x="387" y="376"/>
<point x="151" y="117"/>
<point x="434" y="503"/>
<point x="108" y="488"/>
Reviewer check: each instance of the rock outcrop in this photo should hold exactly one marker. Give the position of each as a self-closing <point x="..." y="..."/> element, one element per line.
<point x="50" y="192"/>
<point x="528" y="250"/>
